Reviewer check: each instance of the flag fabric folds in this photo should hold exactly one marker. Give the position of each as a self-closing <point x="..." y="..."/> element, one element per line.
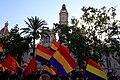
<point x="19" y="68"/>
<point x="67" y="49"/>
<point x="94" y="71"/>
<point x="32" y="66"/>
<point x="1" y="66"/>
<point x="10" y="63"/>
<point x="51" y="71"/>
<point x="62" y="61"/>
<point x="1" y="47"/>
<point x="54" y="46"/>
<point x="43" y="55"/>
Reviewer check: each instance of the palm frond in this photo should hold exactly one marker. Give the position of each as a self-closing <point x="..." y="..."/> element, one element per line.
<point x="34" y="27"/>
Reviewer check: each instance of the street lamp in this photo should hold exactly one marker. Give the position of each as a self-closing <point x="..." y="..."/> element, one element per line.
<point x="107" y="57"/>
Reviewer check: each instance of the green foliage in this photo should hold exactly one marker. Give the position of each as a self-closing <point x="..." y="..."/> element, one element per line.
<point x="34" y="30"/>
<point x="101" y="28"/>
<point x="15" y="44"/>
<point x="74" y="38"/>
<point x="92" y="38"/>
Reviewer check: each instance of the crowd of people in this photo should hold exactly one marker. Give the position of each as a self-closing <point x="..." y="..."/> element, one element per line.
<point x="74" y="75"/>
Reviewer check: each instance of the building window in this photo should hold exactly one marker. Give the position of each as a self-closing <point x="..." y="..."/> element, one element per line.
<point x="47" y="40"/>
<point x="62" y="18"/>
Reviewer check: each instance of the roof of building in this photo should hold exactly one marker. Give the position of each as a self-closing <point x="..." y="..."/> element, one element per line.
<point x="4" y="31"/>
<point x="63" y="10"/>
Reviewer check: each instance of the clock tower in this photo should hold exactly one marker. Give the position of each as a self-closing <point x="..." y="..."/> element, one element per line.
<point x="63" y="15"/>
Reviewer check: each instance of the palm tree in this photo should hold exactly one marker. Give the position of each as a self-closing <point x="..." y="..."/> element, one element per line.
<point x="34" y="30"/>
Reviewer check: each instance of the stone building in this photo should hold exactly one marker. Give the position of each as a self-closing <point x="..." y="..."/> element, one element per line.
<point x="63" y="15"/>
<point x="4" y="31"/>
<point x="47" y="40"/>
<point x="110" y="63"/>
<point x="63" y="19"/>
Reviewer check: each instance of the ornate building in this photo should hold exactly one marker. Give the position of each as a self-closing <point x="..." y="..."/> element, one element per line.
<point x="4" y="31"/>
<point x="63" y="15"/>
<point x="47" y="39"/>
<point x="63" y="19"/>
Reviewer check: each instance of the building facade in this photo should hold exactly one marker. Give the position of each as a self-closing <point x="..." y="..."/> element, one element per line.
<point x="47" y="39"/>
<point x="63" y="15"/>
<point x="63" y="19"/>
<point x="4" y="31"/>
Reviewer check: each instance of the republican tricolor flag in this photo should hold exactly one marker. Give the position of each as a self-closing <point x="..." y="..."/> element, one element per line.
<point x="50" y="70"/>
<point x="94" y="71"/>
<point x="1" y="47"/>
<point x="10" y="63"/>
<point x="32" y="66"/>
<point x="62" y="61"/>
<point x="54" y="46"/>
<point x="43" y="55"/>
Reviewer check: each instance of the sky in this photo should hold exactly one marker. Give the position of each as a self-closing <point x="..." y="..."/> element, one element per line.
<point x="17" y="11"/>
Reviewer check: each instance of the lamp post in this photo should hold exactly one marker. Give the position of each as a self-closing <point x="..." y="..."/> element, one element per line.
<point x="107" y="57"/>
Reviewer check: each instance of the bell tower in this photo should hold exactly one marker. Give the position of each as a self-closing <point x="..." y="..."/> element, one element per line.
<point x="63" y="15"/>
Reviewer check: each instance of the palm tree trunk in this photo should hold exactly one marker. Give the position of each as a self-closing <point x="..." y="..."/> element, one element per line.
<point x="33" y="47"/>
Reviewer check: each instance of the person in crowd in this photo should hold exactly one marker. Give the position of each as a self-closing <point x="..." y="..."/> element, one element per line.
<point x="112" y="76"/>
<point x="44" y="77"/>
<point x="6" y="74"/>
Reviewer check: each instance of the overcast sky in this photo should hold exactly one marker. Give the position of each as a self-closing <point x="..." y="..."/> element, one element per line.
<point x="16" y="11"/>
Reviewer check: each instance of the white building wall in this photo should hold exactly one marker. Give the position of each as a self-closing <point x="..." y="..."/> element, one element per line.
<point x="113" y="64"/>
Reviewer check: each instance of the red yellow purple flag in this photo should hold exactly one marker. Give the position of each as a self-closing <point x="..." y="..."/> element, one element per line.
<point x="10" y="63"/>
<point x="32" y="66"/>
<point x="1" y="47"/>
<point x="54" y="46"/>
<point x="43" y="55"/>
<point x="62" y="61"/>
<point x="49" y="70"/>
<point x="94" y="71"/>
<point x="19" y="68"/>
